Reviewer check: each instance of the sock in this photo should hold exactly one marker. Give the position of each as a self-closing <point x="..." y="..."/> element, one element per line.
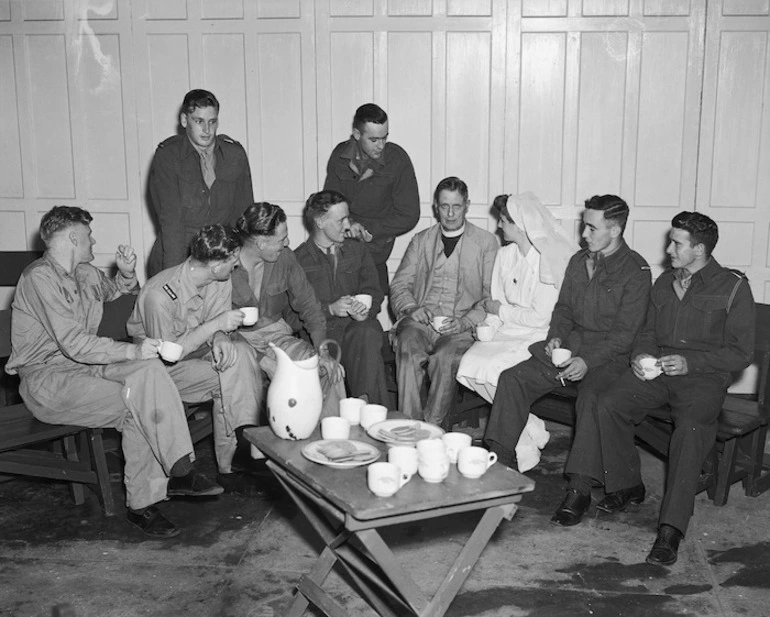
<point x="182" y="467"/>
<point x="582" y="484"/>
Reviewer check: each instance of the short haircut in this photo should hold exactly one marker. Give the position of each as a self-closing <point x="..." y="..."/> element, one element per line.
<point x="369" y="113"/>
<point x="318" y="204"/>
<point x="701" y="228"/>
<point x="451" y="184"/>
<point x="260" y="219"/>
<point x="500" y="205"/>
<point x="214" y="243"/>
<point x="615" y="209"/>
<point x="199" y="98"/>
<point x="61" y="217"/>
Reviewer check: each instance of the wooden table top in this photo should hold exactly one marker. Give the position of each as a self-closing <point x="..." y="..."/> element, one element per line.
<point x="347" y="489"/>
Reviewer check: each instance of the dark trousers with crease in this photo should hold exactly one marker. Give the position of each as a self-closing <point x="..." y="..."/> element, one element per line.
<point x="695" y="403"/>
<point x="361" y="343"/>
<point x="521" y="385"/>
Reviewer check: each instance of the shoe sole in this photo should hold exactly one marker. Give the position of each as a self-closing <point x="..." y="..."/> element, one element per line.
<point x="171" y="534"/>
<point x="211" y="492"/>
<point x="623" y="508"/>
<point x="655" y="562"/>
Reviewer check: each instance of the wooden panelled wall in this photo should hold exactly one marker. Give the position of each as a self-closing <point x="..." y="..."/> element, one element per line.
<point x="664" y="102"/>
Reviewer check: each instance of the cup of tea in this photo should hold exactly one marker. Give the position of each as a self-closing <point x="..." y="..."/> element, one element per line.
<point x="405" y="457"/>
<point x="372" y="414"/>
<point x="650" y="367"/>
<point x="350" y="409"/>
<point x="438" y="321"/>
<point x="560" y="355"/>
<point x="455" y="442"/>
<point x="365" y="299"/>
<point x="384" y="479"/>
<point x="335" y="427"/>
<point x="170" y="351"/>
<point x="485" y="332"/>
<point x="473" y="462"/>
<point x="250" y="315"/>
<point x="433" y="471"/>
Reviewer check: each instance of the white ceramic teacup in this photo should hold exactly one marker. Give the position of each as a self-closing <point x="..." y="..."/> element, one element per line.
<point x="250" y="315"/>
<point x="455" y="442"/>
<point x="473" y="462"/>
<point x="364" y="299"/>
<point x="438" y="321"/>
<point x="350" y="409"/>
<point x="372" y="414"/>
<point x="405" y="457"/>
<point x="335" y="427"/>
<point x="485" y="332"/>
<point x="560" y="355"/>
<point x="650" y="367"/>
<point x="433" y="472"/>
<point x="170" y="351"/>
<point x="384" y="479"/>
<point x="431" y="447"/>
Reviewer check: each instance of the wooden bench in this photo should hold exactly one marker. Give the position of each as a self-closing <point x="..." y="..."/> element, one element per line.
<point x="738" y="453"/>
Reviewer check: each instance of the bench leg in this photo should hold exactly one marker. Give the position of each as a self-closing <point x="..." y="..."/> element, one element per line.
<point x="99" y="462"/>
<point x="724" y="472"/>
<point x="757" y="453"/>
<point x="71" y="454"/>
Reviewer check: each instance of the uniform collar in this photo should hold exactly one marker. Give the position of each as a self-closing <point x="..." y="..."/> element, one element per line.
<point x="353" y="153"/>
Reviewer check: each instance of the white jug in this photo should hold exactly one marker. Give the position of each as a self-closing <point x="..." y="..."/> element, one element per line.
<point x="294" y="398"/>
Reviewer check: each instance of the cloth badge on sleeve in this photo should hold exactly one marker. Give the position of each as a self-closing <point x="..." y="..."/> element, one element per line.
<point x="169" y="291"/>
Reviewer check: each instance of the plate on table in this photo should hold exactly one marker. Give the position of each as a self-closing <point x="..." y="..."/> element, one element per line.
<point x="404" y="432"/>
<point x="340" y="453"/>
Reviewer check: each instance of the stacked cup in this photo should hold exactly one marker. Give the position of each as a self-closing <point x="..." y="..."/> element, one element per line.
<point x="433" y="460"/>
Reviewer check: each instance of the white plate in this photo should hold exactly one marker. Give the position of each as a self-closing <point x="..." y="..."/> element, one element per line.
<point x="314" y="452"/>
<point x="397" y="431"/>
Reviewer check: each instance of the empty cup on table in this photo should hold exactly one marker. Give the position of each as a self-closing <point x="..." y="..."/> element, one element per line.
<point x="650" y="367"/>
<point x="433" y="471"/>
<point x="335" y="427"/>
<point x="438" y="321"/>
<point x="170" y="351"/>
<point x="484" y="332"/>
<point x="560" y="355"/>
<point x="350" y="409"/>
<point x="405" y="457"/>
<point x="364" y="299"/>
<point x="250" y="315"/>
<point x="384" y="479"/>
<point x="372" y="414"/>
<point x="473" y="462"/>
<point x="455" y="442"/>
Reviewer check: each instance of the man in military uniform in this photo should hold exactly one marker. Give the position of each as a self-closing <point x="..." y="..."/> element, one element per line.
<point x="69" y="375"/>
<point x="340" y="268"/>
<point x="378" y="180"/>
<point x="601" y="307"/>
<point x="700" y="329"/>
<point x="197" y="178"/>
<point x="191" y="304"/>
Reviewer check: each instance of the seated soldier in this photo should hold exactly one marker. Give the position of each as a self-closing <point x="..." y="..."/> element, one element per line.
<point x="270" y="278"/>
<point x="69" y="375"/>
<point x="191" y="305"/>
<point x="699" y="329"/>
<point x="446" y="272"/>
<point x="339" y="269"/>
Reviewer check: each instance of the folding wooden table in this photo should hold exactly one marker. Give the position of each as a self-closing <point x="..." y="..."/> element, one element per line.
<point x="347" y="516"/>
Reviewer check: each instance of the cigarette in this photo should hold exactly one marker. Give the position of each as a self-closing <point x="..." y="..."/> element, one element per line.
<point x="562" y="381"/>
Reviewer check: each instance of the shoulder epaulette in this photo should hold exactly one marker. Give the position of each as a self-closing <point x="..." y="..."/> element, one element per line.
<point x="170" y="292"/>
<point x="738" y="273"/>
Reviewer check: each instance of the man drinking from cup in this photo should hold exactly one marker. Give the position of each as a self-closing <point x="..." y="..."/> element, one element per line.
<point x="699" y="329"/>
<point x="601" y="306"/>
<point x="190" y="304"/>
<point x="446" y="272"/>
<point x="343" y="275"/>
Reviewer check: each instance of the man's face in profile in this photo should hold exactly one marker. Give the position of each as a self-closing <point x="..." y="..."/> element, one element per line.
<point x="372" y="139"/>
<point x="201" y="125"/>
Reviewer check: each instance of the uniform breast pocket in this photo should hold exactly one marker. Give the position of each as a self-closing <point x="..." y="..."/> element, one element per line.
<point x="709" y="315"/>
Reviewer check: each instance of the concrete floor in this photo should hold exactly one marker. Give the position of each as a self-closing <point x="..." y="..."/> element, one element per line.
<point x="241" y="556"/>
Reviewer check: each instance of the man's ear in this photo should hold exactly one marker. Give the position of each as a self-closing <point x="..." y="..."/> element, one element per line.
<point x="73" y="236"/>
<point x="699" y="249"/>
<point x="616" y="231"/>
<point x="356" y="134"/>
<point x="183" y="120"/>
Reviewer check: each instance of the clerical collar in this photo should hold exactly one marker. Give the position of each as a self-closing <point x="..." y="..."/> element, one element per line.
<point x="453" y="234"/>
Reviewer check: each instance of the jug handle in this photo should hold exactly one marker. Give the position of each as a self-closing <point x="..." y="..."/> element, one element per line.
<point x="324" y="347"/>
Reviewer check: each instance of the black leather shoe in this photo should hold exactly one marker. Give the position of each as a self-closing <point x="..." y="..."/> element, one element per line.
<point x="618" y="500"/>
<point x="192" y="485"/>
<point x="664" y="551"/>
<point x="152" y="522"/>
<point x="572" y="508"/>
